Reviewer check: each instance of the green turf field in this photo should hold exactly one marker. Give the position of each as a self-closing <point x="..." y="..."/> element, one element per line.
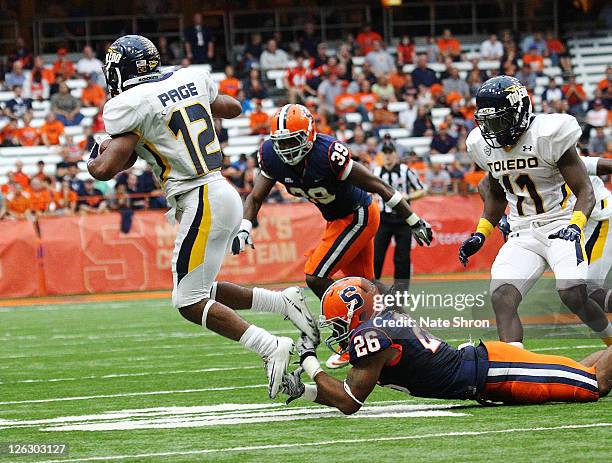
<point x="132" y="381"/>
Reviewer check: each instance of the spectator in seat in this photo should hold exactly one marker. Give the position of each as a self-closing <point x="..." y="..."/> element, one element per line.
<point x="366" y="38"/>
<point x="253" y="50"/>
<point x="408" y="116"/>
<point x="344" y="57"/>
<point x="40" y="173"/>
<point x="273" y="57"/>
<point x="93" y="94"/>
<point x="383" y="88"/>
<point x="259" y="120"/>
<point x="296" y="81"/>
<point x="509" y="60"/>
<point x="432" y="52"/>
<point x="421" y="74"/>
<point x="457" y="175"/>
<point x="423" y="125"/>
<point x="400" y="81"/>
<point x="534" y="59"/>
<point x="491" y="49"/>
<point x="21" y="53"/>
<point x="19" y="206"/>
<point x="230" y="85"/>
<point x="8" y="134"/>
<point x="254" y="87"/>
<point x="65" y="200"/>
<point x="20" y="177"/>
<point x="405" y="51"/>
<point x="605" y="84"/>
<point x="380" y="60"/>
<point x="199" y="42"/>
<point x="598" y="143"/>
<point x="454" y="83"/>
<point x="63" y="66"/>
<point x="91" y="200"/>
<point x="327" y="92"/>
<point x="527" y="77"/>
<point x="552" y="92"/>
<point x="575" y="96"/>
<point x="449" y="46"/>
<point x="536" y="39"/>
<point x="18" y="106"/>
<point x="343" y="133"/>
<point x="70" y="151"/>
<point x="474" y="81"/>
<point x="66" y="107"/>
<point x="51" y="130"/>
<point x="309" y="40"/>
<point x="438" y="180"/>
<point x="40" y="197"/>
<point x="557" y="51"/>
<point x="382" y="118"/>
<point x="28" y="135"/>
<point x="15" y="78"/>
<point x="167" y="52"/>
<point x="90" y="65"/>
<point x="598" y="115"/>
<point x="442" y="142"/>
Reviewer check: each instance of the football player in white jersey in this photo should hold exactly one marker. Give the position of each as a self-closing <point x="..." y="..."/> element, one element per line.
<point x="166" y="119"/>
<point x="532" y="164"/>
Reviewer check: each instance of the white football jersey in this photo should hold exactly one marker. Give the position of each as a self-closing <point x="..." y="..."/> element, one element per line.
<point x="528" y="172"/>
<point x="603" y="196"/>
<point x="173" y="119"/>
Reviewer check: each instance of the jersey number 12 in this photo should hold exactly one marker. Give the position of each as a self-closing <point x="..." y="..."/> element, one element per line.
<point x="203" y="153"/>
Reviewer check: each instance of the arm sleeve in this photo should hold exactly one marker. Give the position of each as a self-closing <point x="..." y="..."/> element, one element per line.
<point x="120" y="117"/>
<point x="211" y="87"/>
<point x="590" y="162"/>
<point x="473" y="151"/>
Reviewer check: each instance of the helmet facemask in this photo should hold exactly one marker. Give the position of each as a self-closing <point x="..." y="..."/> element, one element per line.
<point x="337" y="341"/>
<point x="291" y="147"/>
<point x="504" y="126"/>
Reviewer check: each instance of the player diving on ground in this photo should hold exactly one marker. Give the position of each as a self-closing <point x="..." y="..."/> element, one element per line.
<point x="166" y="119"/>
<point x="533" y="167"/>
<point x="388" y="348"/>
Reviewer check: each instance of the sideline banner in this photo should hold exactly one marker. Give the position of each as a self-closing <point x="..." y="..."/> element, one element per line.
<point x="89" y="254"/>
<point x="19" y="271"/>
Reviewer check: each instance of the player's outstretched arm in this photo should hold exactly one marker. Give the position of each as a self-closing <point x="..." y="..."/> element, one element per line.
<point x="574" y="172"/>
<point x="364" y="179"/>
<point x="116" y="157"/>
<point x="252" y="204"/>
<point x="226" y="107"/>
<point x="495" y="203"/>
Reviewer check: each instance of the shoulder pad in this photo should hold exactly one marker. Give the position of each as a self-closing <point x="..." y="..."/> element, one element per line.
<point x="366" y="341"/>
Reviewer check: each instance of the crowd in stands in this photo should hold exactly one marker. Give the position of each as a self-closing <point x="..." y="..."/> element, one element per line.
<point x="327" y="81"/>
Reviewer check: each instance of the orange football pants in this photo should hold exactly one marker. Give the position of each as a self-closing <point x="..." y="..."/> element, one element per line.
<point x="347" y="246"/>
<point x="518" y="376"/>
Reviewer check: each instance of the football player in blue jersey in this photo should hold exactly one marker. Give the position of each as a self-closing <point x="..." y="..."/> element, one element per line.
<point x="388" y="348"/>
<point x="319" y="168"/>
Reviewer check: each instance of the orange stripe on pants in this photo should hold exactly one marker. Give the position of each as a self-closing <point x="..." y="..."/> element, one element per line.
<point x="544" y="378"/>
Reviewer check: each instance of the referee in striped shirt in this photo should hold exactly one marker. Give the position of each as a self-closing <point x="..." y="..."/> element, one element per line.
<point x="404" y="180"/>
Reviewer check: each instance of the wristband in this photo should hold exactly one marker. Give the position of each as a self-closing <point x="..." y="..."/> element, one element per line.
<point x="246" y="225"/>
<point x="394" y="200"/>
<point x="311" y="366"/>
<point x="578" y="218"/>
<point x="310" y="392"/>
<point x="485" y="227"/>
<point x="413" y="219"/>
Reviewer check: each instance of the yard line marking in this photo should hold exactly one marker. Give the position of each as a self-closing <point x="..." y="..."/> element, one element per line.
<point x="132" y="394"/>
<point x="330" y="442"/>
<point x="543" y="349"/>
<point x="129" y="375"/>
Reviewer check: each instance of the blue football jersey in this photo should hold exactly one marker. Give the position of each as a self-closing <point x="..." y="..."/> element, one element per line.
<point x="320" y="178"/>
<point x="426" y="366"/>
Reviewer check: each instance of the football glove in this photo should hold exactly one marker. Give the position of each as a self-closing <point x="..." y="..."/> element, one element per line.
<point x="292" y="385"/>
<point x="504" y="227"/>
<point x="243" y="237"/>
<point x="470" y="247"/>
<point x="570" y="233"/>
<point x="421" y="230"/>
<point x="305" y="348"/>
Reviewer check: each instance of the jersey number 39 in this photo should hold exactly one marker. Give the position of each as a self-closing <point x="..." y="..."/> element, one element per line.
<point x="204" y="152"/>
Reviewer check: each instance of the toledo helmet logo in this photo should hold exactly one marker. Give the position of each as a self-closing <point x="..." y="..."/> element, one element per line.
<point x="112" y="56"/>
<point x="515" y="93"/>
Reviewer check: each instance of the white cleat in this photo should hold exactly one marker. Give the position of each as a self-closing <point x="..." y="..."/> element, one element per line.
<point x="276" y="364"/>
<point x="299" y="314"/>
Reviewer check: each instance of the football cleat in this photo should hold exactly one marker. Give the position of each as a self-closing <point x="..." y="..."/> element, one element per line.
<point x="298" y="313"/>
<point x="276" y="365"/>
<point x="337" y="361"/>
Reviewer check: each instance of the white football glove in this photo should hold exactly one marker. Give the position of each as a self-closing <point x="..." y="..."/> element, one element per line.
<point x="421" y="230"/>
<point x="292" y="385"/>
<point x="243" y="238"/>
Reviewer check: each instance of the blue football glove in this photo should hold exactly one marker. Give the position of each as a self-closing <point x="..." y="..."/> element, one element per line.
<point x="470" y="247"/>
<point x="570" y="233"/>
<point x="504" y="227"/>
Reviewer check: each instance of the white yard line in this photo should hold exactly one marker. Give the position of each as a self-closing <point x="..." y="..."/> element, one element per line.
<point x="132" y="394"/>
<point x="129" y="375"/>
<point x="331" y="442"/>
<point x="544" y="349"/>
